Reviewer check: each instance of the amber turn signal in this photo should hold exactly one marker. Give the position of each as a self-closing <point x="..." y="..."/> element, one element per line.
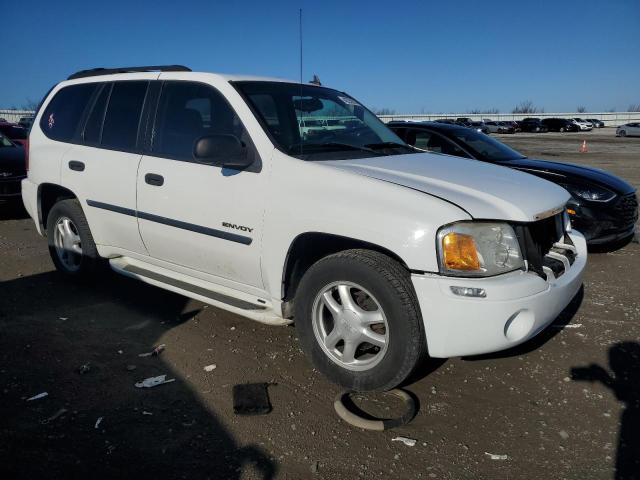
<point x="460" y="252"/>
<point x="571" y="211"/>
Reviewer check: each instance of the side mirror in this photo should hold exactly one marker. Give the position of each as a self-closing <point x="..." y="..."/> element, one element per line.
<point x="222" y="150"/>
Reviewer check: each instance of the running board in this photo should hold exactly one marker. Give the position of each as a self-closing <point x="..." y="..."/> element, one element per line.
<point x="260" y="311"/>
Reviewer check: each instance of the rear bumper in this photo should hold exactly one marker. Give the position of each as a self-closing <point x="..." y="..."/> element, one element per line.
<point x="30" y="201"/>
<point x="517" y="307"/>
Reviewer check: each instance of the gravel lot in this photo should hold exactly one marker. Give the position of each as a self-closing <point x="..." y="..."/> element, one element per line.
<point x="524" y="404"/>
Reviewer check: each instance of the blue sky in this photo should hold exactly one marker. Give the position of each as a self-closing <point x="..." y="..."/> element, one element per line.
<point x="411" y="56"/>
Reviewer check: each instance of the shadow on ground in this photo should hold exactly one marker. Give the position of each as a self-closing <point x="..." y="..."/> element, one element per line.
<point x="624" y="382"/>
<point x="49" y="328"/>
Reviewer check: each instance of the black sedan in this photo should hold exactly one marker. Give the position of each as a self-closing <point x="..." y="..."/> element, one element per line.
<point x="12" y="169"/>
<point x="560" y="125"/>
<point x="532" y="125"/>
<point x="603" y="207"/>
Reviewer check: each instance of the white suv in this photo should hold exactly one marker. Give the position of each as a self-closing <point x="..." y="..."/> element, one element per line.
<point x="208" y="185"/>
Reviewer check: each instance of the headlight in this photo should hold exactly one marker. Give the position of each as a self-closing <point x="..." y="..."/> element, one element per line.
<point x="478" y="249"/>
<point x="591" y="193"/>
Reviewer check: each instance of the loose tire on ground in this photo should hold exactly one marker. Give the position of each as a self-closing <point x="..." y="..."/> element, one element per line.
<point x="67" y="216"/>
<point x="389" y="285"/>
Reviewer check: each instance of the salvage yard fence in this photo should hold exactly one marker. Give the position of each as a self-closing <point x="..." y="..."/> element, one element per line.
<point x="610" y="119"/>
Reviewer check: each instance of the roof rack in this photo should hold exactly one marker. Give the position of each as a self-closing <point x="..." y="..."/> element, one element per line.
<point x="93" y="72"/>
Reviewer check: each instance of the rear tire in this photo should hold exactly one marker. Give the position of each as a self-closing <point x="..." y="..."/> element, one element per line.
<point x="71" y="244"/>
<point x="347" y="298"/>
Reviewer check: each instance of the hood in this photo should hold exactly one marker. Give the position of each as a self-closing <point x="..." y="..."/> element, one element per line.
<point x="571" y="173"/>
<point x="483" y="190"/>
<point x="12" y="160"/>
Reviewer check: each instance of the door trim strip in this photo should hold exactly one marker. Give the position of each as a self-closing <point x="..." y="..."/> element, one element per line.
<point x="212" y="232"/>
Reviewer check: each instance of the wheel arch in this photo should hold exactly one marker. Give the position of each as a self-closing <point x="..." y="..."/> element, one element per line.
<point x="48" y="195"/>
<point x="309" y="247"/>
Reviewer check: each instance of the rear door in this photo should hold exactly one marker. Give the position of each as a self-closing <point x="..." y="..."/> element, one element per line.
<point x="101" y="167"/>
<point x="197" y="215"/>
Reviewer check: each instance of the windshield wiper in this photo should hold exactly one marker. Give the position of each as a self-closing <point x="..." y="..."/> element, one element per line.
<point x="389" y="145"/>
<point x="330" y="146"/>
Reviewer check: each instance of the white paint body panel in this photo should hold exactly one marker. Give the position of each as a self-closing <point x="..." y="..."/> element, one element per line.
<point x="395" y="202"/>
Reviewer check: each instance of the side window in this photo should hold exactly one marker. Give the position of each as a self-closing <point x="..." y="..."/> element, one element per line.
<point x="121" y="121"/>
<point x="93" y="127"/>
<point x="188" y="111"/>
<point x="61" y="118"/>
<point x="432" y="142"/>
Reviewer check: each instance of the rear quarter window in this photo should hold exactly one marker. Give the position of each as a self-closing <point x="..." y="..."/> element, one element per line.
<point x="61" y="119"/>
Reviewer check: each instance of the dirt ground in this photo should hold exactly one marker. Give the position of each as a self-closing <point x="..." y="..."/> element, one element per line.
<point x="526" y="405"/>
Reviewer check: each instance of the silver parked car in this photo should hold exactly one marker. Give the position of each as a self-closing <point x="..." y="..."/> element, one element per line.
<point x="628" y="130"/>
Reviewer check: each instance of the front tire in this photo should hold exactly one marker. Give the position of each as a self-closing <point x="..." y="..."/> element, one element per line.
<point x="358" y="320"/>
<point x="622" y="133"/>
<point x="71" y="244"/>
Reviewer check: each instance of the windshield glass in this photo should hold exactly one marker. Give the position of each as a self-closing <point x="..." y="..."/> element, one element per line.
<point x="4" y="142"/>
<point x="485" y="147"/>
<point x="317" y="123"/>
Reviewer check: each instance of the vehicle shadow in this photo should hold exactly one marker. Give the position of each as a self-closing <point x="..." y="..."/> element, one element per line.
<point x="624" y="362"/>
<point x="79" y="342"/>
<point x="563" y="319"/>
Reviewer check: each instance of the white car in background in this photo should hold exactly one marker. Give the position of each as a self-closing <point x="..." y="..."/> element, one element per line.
<point x="628" y="130"/>
<point x="583" y="124"/>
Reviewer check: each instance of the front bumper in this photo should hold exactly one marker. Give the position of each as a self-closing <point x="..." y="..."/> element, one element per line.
<point x="10" y="187"/>
<point x="518" y="306"/>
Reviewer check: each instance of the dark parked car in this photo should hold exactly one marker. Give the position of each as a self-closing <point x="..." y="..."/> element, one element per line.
<point x="603" y="207"/>
<point x="596" y="123"/>
<point x="15" y="133"/>
<point x="532" y="125"/>
<point x="12" y="169"/>
<point x="560" y="125"/>
<point x="25" y="122"/>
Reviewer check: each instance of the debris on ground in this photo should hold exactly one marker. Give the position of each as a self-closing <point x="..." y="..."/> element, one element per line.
<point x="493" y="456"/>
<point x="86" y="368"/>
<point x="315" y="466"/>
<point x="155" y="352"/>
<point x="154" y="381"/>
<point x="409" y="442"/>
<point x="210" y="368"/>
<point x="60" y="412"/>
<point x="563" y="434"/>
<point x="37" y="397"/>
<point x="569" y="325"/>
<point x="144" y="412"/>
<point x="98" y="422"/>
<point x="131" y="368"/>
<point x="251" y="399"/>
<point x="63" y="318"/>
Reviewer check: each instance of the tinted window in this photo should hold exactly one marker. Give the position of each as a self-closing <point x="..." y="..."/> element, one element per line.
<point x="188" y="111"/>
<point x="93" y="127"/>
<point x="62" y="116"/>
<point x="120" y="129"/>
<point x="432" y="142"/>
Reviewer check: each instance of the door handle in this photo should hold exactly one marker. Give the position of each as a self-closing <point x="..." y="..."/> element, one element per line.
<point x="76" y="165"/>
<point x="154" y="179"/>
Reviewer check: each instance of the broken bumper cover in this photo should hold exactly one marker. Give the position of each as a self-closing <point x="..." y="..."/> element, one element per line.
<point x="517" y="306"/>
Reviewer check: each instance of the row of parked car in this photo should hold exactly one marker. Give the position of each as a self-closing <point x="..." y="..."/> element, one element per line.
<point x="529" y="124"/>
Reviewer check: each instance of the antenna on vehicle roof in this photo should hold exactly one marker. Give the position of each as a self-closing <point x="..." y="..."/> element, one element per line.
<point x="300" y="29"/>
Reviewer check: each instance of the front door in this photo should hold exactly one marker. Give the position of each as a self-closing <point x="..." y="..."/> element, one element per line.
<point x="198" y="215"/>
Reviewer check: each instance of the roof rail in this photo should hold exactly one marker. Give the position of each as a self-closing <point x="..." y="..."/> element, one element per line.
<point x="93" y="72"/>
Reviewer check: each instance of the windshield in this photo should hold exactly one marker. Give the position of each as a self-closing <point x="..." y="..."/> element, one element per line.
<point x="317" y="123"/>
<point x="4" y="141"/>
<point x="485" y="147"/>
